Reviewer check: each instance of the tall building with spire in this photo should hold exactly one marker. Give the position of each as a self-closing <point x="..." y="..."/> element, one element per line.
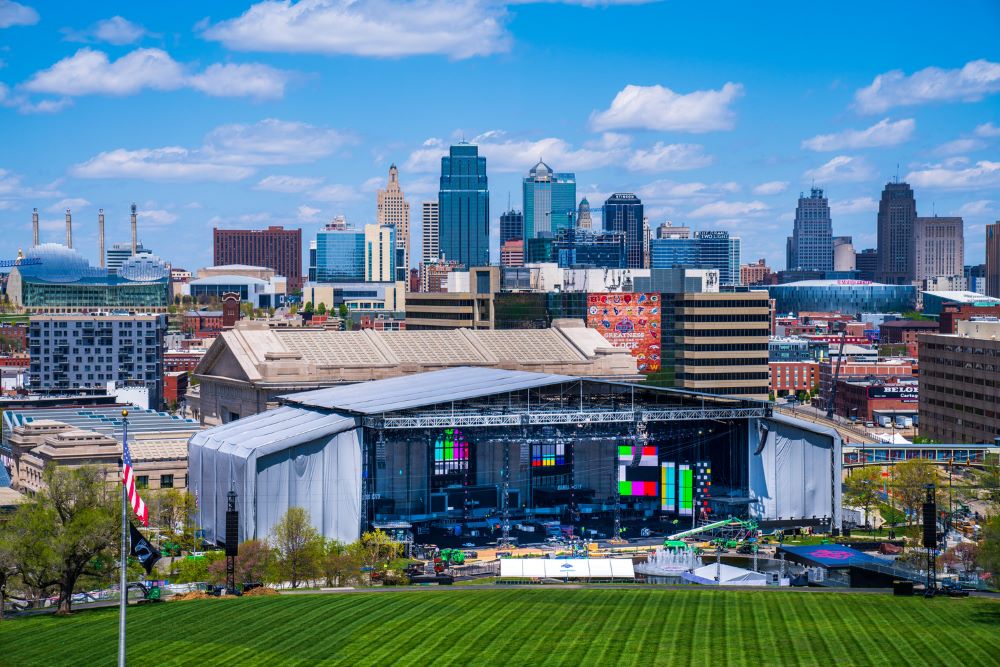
<point x="464" y="207"/>
<point x="394" y="210"/>
<point x="811" y="245"/>
<point x="549" y="201"/>
<point x="897" y="214"/>
<point x="583" y="219"/>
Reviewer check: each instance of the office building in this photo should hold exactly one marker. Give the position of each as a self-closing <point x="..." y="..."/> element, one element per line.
<point x="511" y="226"/>
<point x="810" y="247"/>
<point x="91" y="351"/>
<point x="975" y="278"/>
<point x="429" y="224"/>
<point x="716" y="342"/>
<point x="623" y="212"/>
<point x="549" y="201"/>
<point x="993" y="259"/>
<point x="960" y="383"/>
<point x="668" y="230"/>
<point x="62" y="281"/>
<point x="119" y="253"/>
<point x="258" y="292"/>
<point x="583" y="215"/>
<point x="707" y="249"/>
<point x="512" y="253"/>
<point x="380" y="253"/>
<point x="897" y="214"/>
<point x="339" y="255"/>
<point x="844" y="257"/>
<point x="866" y="264"/>
<point x="275" y="247"/>
<point x="939" y="247"/>
<point x="434" y="275"/>
<point x="581" y="248"/>
<point x="755" y="274"/>
<point x="394" y="210"/>
<point x="464" y="207"/>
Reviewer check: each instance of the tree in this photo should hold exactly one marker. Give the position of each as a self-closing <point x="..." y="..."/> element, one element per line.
<point x="299" y="547"/>
<point x="8" y="568"/>
<point x="171" y="510"/>
<point x="910" y="480"/>
<point x="989" y="482"/>
<point x="989" y="546"/>
<point x="965" y="554"/>
<point x="862" y="488"/>
<point x="321" y="309"/>
<point x="373" y="548"/>
<point x="58" y="534"/>
<point x="253" y="564"/>
<point x="342" y="309"/>
<point x="339" y="564"/>
<point x="308" y="307"/>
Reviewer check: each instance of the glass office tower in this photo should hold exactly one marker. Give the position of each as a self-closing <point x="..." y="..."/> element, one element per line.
<point x="464" y="207"/>
<point x="511" y="226"/>
<point x="811" y="245"/>
<point x="549" y="201"/>
<point x="623" y="213"/>
<point x="340" y="255"/>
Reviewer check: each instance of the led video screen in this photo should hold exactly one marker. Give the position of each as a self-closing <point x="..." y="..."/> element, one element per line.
<point x="641" y="479"/>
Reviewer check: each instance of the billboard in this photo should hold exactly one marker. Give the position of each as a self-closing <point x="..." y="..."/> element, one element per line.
<point x="629" y="320"/>
<point x="906" y="392"/>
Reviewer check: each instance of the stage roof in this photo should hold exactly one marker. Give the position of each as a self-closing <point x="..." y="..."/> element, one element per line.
<point x="832" y="555"/>
<point x="411" y="391"/>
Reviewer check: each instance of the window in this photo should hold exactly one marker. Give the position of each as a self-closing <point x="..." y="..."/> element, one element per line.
<point x="142" y="481"/>
<point x="166" y="481"/>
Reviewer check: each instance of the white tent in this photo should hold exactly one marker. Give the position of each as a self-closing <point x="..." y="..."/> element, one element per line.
<point x="728" y="576"/>
<point x="566" y="568"/>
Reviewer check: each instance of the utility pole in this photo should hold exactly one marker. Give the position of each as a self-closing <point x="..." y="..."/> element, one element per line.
<point x="505" y="518"/>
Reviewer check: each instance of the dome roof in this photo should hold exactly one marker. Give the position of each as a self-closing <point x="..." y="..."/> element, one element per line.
<point x="541" y="169"/>
<point x="58" y="264"/>
<point x="144" y="268"/>
<point x="584" y="203"/>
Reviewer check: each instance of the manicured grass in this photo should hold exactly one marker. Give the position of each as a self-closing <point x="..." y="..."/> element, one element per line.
<point x="513" y="627"/>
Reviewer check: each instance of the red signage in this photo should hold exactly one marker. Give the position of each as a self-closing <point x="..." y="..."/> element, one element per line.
<point x="629" y="320"/>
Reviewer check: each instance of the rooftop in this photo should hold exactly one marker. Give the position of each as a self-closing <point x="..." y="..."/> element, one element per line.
<point x="962" y="296"/>
<point x="106" y="420"/>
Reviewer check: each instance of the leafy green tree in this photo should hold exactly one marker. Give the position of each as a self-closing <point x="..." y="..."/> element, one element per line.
<point x="8" y="568"/>
<point x="196" y="568"/>
<point x="862" y="488"/>
<point x="373" y="548"/>
<point x="308" y="307"/>
<point x="254" y="563"/>
<point x="989" y="482"/>
<point x="989" y="546"/>
<point x="321" y="309"/>
<point x="342" y="310"/>
<point x="339" y="564"/>
<point x="56" y="536"/>
<point x="909" y="480"/>
<point x="298" y="545"/>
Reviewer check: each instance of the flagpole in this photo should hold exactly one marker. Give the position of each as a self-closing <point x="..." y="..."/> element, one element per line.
<point x="122" y="582"/>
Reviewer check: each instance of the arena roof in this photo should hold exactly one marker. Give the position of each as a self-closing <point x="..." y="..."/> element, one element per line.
<point x="104" y="419"/>
<point x="835" y="283"/>
<point x="410" y="391"/>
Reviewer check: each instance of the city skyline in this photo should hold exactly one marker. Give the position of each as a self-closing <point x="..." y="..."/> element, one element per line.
<point x="710" y="133"/>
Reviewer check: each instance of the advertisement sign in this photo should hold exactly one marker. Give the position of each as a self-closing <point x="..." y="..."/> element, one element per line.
<point x="906" y="393"/>
<point x="629" y="320"/>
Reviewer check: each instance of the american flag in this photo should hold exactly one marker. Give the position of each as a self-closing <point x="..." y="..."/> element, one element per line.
<point x="128" y="479"/>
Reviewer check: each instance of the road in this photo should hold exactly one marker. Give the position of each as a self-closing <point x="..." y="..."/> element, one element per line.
<point x="851" y="434"/>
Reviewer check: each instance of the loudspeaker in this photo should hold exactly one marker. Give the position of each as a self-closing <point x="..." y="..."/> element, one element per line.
<point x="930" y="525"/>
<point x="232" y="533"/>
<point x="902" y="588"/>
<point x="847" y="532"/>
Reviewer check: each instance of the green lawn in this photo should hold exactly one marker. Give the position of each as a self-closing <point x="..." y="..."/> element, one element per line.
<point x="513" y="627"/>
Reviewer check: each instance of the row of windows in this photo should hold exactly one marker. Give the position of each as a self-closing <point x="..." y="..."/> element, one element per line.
<point x="752" y="361"/>
<point x="166" y="481"/>
<point x="722" y="333"/>
<point x="721" y="347"/>
<point x="736" y="317"/>
<point x="723" y="376"/>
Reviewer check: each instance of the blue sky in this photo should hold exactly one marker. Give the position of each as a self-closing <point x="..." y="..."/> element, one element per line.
<point x="716" y="114"/>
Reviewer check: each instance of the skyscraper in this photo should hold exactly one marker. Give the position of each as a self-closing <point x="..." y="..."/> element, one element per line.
<point x="706" y="250"/>
<point x="393" y="209"/>
<point x="897" y="212"/>
<point x="939" y="247"/>
<point x="623" y="213"/>
<point x="993" y="259"/>
<point x="549" y="201"/>
<point x="431" y="248"/>
<point x="583" y="219"/>
<point x="339" y="256"/>
<point x="275" y="247"/>
<point x="511" y="226"/>
<point x="464" y="207"/>
<point x="380" y="253"/>
<point x="811" y="244"/>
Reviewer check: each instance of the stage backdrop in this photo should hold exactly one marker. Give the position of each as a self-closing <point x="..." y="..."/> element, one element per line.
<point x="630" y="320"/>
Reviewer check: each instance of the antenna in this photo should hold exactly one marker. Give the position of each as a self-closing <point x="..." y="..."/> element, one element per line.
<point x="897" y="173"/>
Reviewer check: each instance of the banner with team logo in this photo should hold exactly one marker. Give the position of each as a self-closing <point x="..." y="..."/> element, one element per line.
<point x="629" y="320"/>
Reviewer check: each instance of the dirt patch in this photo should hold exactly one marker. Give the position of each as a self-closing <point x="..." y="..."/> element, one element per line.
<point x="262" y="590"/>
<point x="193" y="595"/>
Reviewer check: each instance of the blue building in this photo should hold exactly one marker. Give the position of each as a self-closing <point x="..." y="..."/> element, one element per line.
<point x="464" y="207"/>
<point x="623" y="213"/>
<point x="584" y="248"/>
<point x="549" y="201"/>
<point x="511" y="226"/>
<point x="705" y="250"/>
<point x="339" y="256"/>
<point x="850" y="297"/>
<point x="810" y="247"/>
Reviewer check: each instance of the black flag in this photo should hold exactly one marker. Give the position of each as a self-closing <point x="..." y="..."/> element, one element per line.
<point x="144" y="552"/>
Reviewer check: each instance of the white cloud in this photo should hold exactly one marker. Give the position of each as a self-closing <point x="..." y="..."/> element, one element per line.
<point x="455" y="28"/>
<point x="308" y="213"/>
<point x="115" y="30"/>
<point x="71" y="203"/>
<point x="669" y="157"/>
<point x="771" y="188"/>
<point x="726" y="209"/>
<point x="260" y="82"/>
<point x="156" y="217"/>
<point x="982" y="175"/>
<point x="959" y="146"/>
<point x="856" y="205"/>
<point x="976" y="208"/>
<point x="287" y="183"/>
<point x="882" y="133"/>
<point x="988" y="130"/>
<point x="13" y="13"/>
<point x="336" y="192"/>
<point x="842" y="169"/>
<point x="666" y="191"/>
<point x="12" y="187"/>
<point x="972" y="82"/>
<point x="90" y="72"/>
<point x="229" y="153"/>
<point x="659" y="108"/>
<point x="26" y="106"/>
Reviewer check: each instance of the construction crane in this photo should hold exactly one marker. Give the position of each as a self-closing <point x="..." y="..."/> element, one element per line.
<point x="836" y="374"/>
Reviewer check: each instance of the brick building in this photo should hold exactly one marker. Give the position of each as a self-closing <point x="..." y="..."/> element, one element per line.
<point x="953" y="313"/>
<point x="175" y="385"/>
<point x="861" y="399"/>
<point x="905" y="331"/>
<point x="791" y="377"/>
<point x="13" y="337"/>
<point x="850" y="370"/>
<point x="275" y="247"/>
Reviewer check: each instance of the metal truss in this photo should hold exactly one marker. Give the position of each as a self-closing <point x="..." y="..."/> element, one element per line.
<point x="544" y="417"/>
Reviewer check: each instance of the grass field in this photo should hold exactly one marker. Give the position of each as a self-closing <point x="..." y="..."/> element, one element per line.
<point x="513" y="627"/>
